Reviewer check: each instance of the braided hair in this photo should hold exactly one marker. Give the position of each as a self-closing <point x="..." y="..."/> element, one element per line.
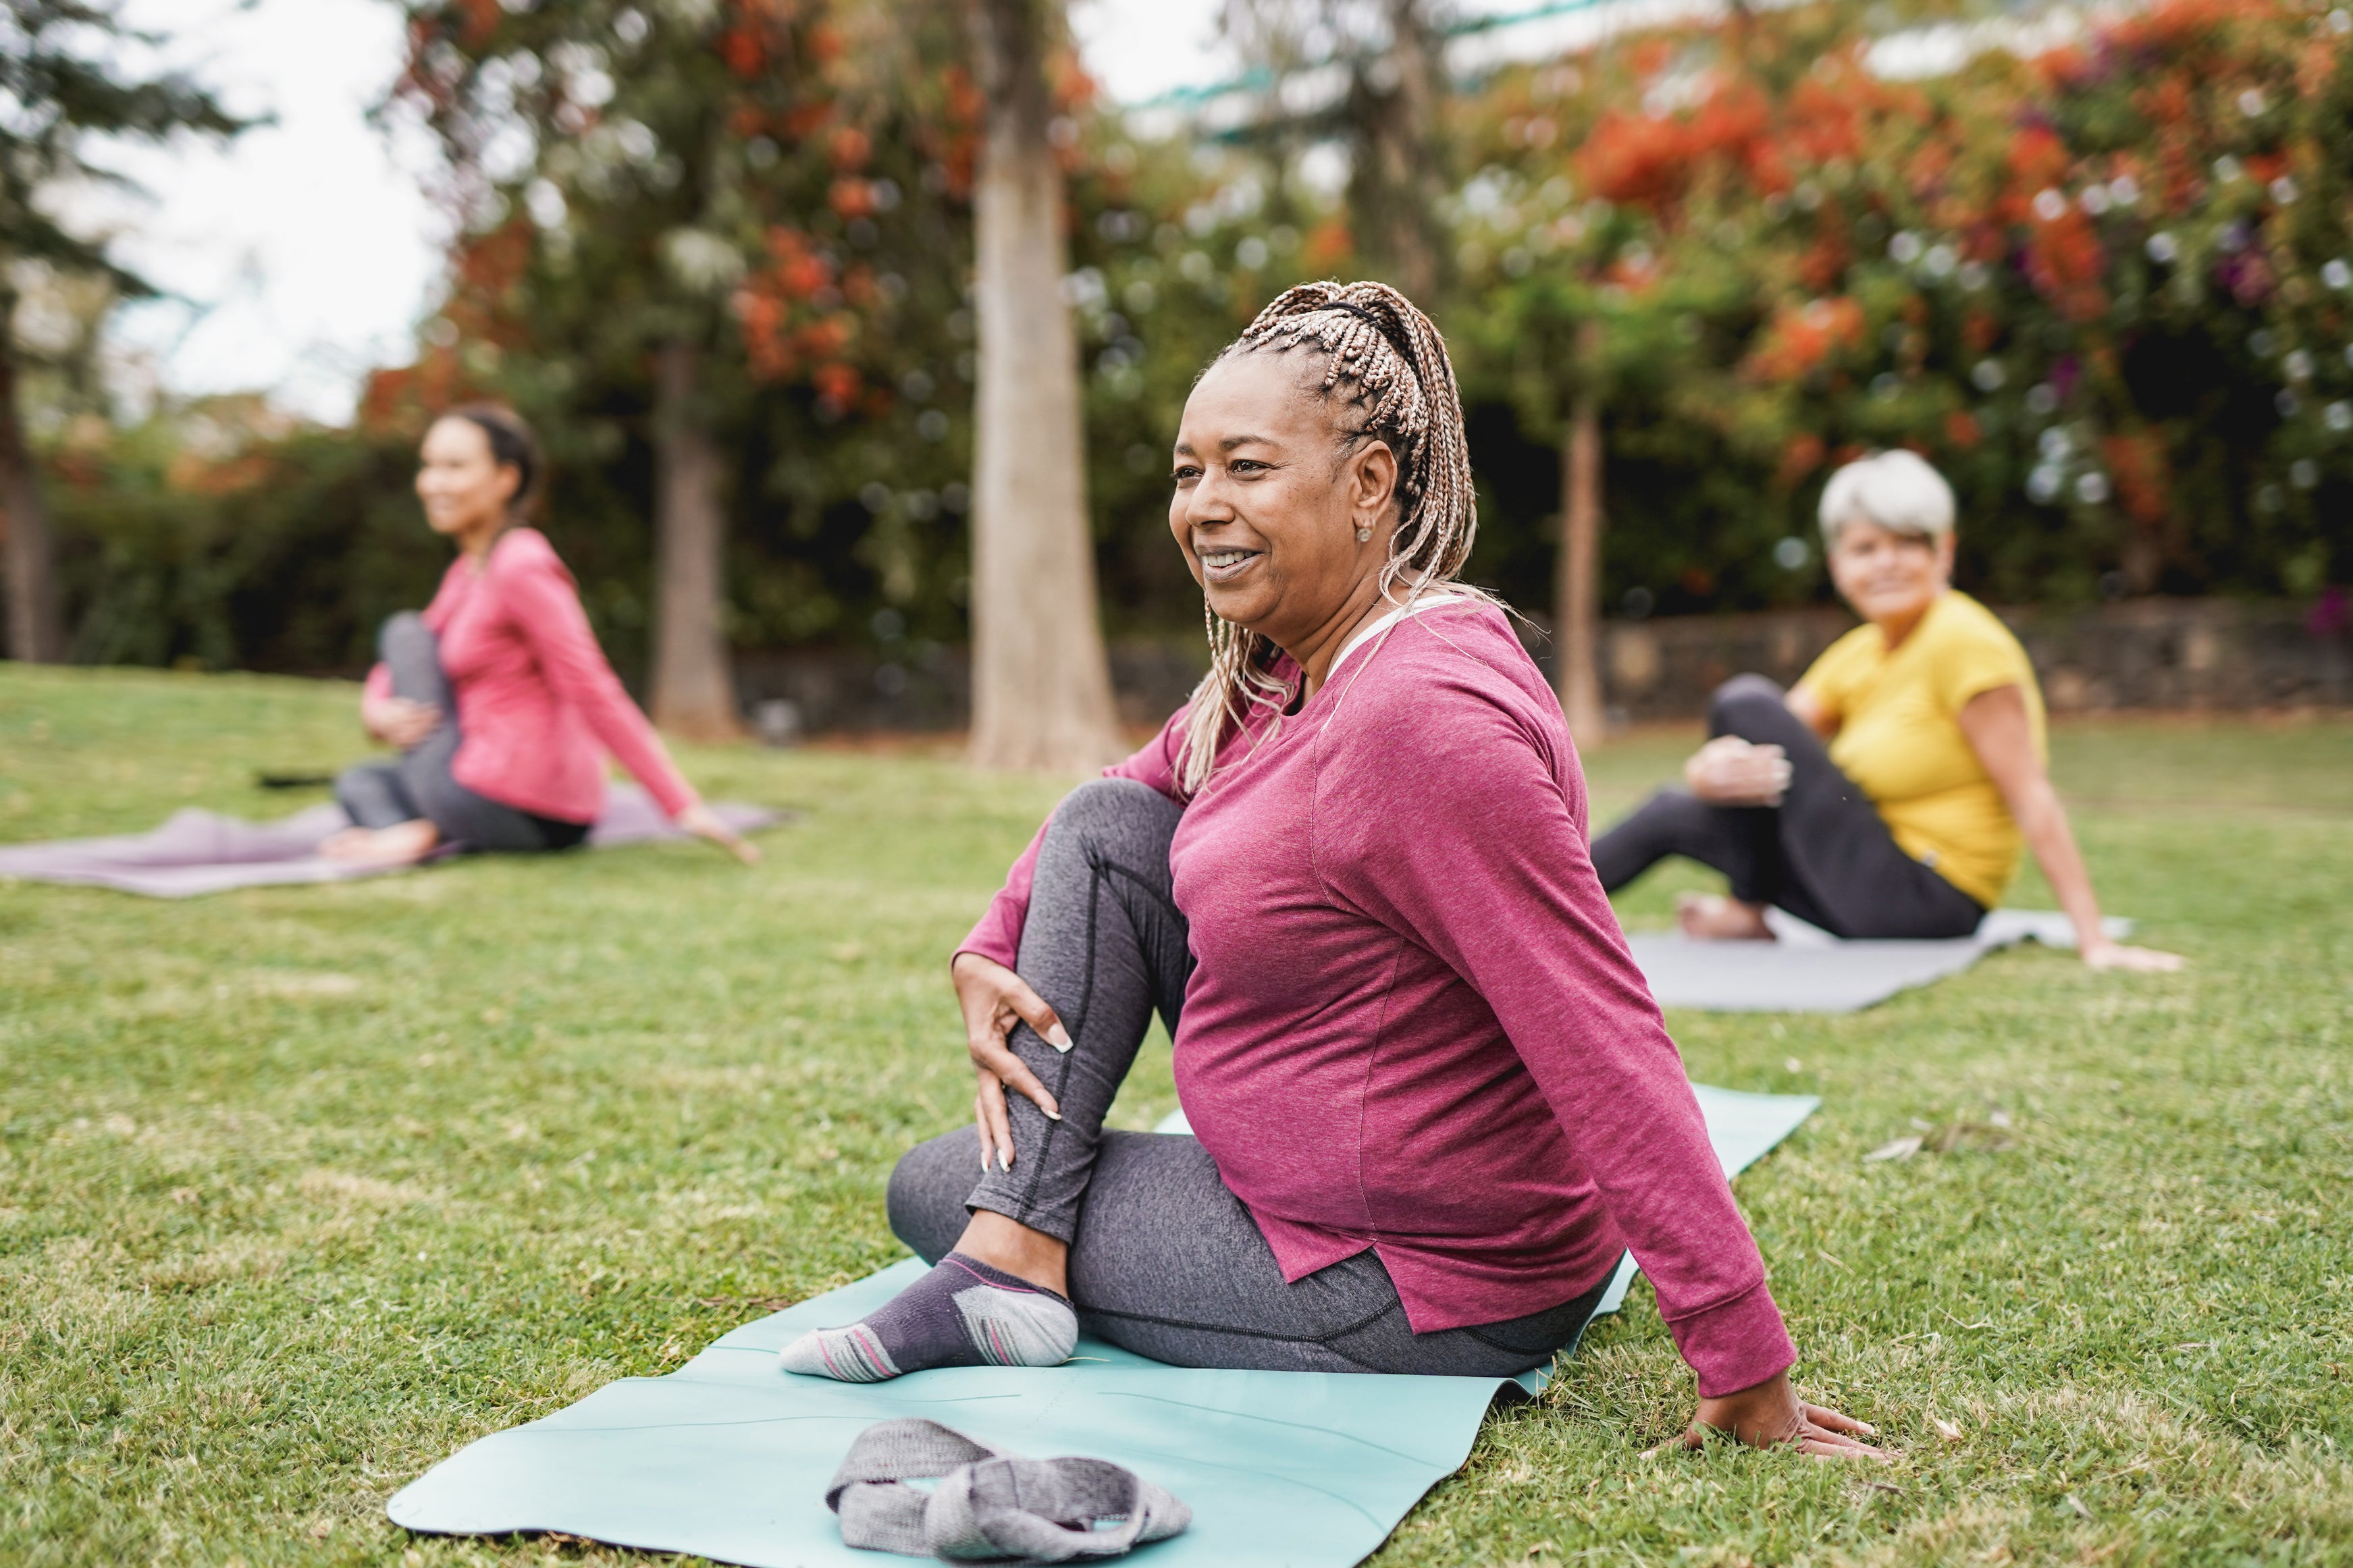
<point x="1384" y="362"/>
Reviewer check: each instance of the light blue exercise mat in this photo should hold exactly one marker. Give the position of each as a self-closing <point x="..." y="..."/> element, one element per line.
<point x="729" y="1456"/>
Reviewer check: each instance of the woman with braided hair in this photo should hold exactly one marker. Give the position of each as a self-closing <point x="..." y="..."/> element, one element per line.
<point x="1432" y="1099"/>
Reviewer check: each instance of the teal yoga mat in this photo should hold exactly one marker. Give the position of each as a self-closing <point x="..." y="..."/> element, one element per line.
<point x="728" y="1457"/>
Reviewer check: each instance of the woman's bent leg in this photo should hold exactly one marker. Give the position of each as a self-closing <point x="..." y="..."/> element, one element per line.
<point x="1104" y="945"/>
<point x="1738" y="841"/>
<point x="1168" y="1263"/>
<point x="1842" y="870"/>
<point x="373" y="796"/>
<point x="413" y="654"/>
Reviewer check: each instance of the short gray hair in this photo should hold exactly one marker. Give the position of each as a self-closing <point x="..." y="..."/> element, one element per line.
<point x="1898" y="490"/>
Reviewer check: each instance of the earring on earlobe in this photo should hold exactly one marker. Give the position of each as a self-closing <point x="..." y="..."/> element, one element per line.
<point x="1364" y="536"/>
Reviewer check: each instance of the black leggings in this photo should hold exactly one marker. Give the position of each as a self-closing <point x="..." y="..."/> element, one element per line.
<point x="418" y="783"/>
<point x="1164" y="1259"/>
<point x="1823" y="854"/>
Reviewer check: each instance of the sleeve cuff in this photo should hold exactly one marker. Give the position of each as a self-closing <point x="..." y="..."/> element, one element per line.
<point x="1734" y="1344"/>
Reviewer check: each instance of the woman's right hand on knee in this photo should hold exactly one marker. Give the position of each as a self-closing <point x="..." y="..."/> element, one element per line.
<point x="1728" y="771"/>
<point x="398" y="721"/>
<point x="994" y="1000"/>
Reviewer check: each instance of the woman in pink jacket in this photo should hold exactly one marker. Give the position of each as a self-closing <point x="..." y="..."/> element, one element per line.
<point x="1432" y="1101"/>
<point x="498" y="697"/>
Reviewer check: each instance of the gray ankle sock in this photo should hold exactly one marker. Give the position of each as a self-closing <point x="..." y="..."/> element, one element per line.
<point x="963" y="1313"/>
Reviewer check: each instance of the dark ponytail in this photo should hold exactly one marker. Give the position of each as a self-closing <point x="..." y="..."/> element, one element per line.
<point x="512" y="445"/>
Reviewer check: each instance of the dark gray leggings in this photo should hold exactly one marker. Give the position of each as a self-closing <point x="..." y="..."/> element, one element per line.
<point x="1824" y="854"/>
<point x="418" y="782"/>
<point x="1164" y="1260"/>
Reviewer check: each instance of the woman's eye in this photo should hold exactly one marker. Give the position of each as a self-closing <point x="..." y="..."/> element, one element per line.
<point x="1246" y="466"/>
<point x="1187" y="471"/>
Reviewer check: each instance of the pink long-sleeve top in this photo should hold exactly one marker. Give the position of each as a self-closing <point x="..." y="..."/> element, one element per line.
<point x="1414" y="1024"/>
<point x="538" y="706"/>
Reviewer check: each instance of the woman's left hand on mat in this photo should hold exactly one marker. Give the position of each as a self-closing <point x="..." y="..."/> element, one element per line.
<point x="994" y="1000"/>
<point x="707" y="824"/>
<point x="1771" y="1414"/>
<point x="2108" y="954"/>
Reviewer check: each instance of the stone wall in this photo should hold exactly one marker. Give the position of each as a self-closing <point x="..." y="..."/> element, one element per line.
<point x="2143" y="653"/>
<point x="2217" y="653"/>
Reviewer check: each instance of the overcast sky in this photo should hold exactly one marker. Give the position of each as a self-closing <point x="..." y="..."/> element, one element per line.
<point x="304" y="252"/>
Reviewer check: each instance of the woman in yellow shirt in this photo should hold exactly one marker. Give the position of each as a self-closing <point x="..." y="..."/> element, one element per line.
<point x="1886" y="794"/>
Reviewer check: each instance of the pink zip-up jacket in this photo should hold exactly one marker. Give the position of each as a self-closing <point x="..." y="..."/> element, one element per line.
<point x="538" y="707"/>
<point x="1414" y="1024"/>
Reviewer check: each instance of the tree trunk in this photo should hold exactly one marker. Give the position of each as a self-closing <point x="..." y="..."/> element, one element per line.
<point x="693" y="683"/>
<point x="1576" y="598"/>
<point x="1396" y="176"/>
<point x="1041" y="681"/>
<point x="36" y="624"/>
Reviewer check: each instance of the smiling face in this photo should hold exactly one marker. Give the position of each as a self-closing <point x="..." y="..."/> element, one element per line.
<point x="466" y="490"/>
<point x="1268" y="503"/>
<point x="1889" y="579"/>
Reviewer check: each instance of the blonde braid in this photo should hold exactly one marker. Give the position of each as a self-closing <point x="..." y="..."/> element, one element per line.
<point x="1385" y="358"/>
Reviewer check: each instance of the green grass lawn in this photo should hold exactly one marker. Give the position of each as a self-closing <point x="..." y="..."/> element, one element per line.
<point x="302" y="1189"/>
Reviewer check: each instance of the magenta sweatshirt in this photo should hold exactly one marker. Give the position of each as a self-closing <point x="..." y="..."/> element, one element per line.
<point x="1414" y="1024"/>
<point x="537" y="705"/>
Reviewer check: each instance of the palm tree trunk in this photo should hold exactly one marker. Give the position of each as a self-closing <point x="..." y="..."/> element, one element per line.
<point x="1041" y="681"/>
<point x="36" y="624"/>
<point x="1577" y="598"/>
<point x="693" y="683"/>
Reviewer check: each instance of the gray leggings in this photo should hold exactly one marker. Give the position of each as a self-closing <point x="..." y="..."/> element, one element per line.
<point x="418" y="783"/>
<point x="1824" y="854"/>
<point x="1164" y="1260"/>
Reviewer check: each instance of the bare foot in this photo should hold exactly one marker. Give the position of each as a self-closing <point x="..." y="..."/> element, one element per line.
<point x="402" y="843"/>
<point x="1708" y="917"/>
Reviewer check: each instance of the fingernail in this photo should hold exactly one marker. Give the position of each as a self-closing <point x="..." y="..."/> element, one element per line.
<point x="1059" y="1037"/>
<point x="1053" y="1116"/>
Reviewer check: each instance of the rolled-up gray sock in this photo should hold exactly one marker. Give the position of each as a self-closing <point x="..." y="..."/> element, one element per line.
<point x="963" y="1313"/>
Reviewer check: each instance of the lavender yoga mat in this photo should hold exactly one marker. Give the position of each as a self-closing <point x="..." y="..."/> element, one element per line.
<point x="198" y="852"/>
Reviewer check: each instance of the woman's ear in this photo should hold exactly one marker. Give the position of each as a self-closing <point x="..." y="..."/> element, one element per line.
<point x="509" y="483"/>
<point x="1372" y="483"/>
<point x="1945" y="550"/>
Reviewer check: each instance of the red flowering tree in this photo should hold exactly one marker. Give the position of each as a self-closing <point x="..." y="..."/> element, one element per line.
<point x="2103" y="288"/>
<point x="623" y="173"/>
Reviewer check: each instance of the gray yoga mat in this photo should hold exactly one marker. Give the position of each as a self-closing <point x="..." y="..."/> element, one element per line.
<point x="197" y="852"/>
<point x="1809" y="971"/>
<point x="729" y="1456"/>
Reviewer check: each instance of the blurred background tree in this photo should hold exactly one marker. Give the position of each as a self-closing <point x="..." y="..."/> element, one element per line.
<point x="62" y="86"/>
<point x="2104" y="286"/>
<point x="1040" y="681"/>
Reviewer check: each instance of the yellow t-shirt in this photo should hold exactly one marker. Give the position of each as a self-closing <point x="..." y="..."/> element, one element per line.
<point x="1899" y="736"/>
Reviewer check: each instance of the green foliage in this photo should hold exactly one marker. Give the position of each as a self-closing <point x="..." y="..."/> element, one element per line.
<point x="301" y="1189"/>
<point x="2104" y="288"/>
<point x="61" y="86"/>
<point x="218" y="539"/>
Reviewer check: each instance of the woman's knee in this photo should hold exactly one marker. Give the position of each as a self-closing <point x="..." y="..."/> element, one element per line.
<point x="1110" y="808"/>
<point x="405" y="634"/>
<point x="925" y="1200"/>
<point x="1744" y="704"/>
